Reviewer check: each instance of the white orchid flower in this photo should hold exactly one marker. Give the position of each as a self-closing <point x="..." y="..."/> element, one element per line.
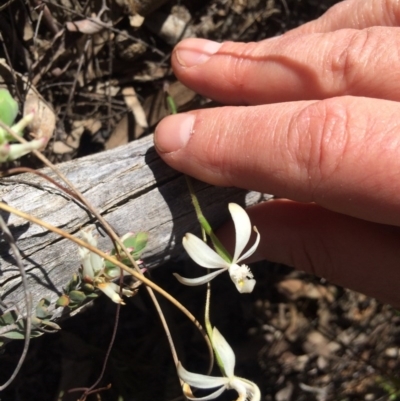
<point x="246" y="389"/>
<point x="204" y="256"/>
<point x="93" y="270"/>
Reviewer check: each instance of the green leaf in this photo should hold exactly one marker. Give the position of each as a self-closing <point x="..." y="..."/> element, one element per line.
<point x="35" y="323"/>
<point x="77" y="296"/>
<point x="41" y="312"/>
<point x="63" y="301"/>
<point x="48" y="323"/>
<point x="8" y="107"/>
<point x="73" y="283"/>
<point x="137" y="242"/>
<point x="93" y="295"/>
<point x="42" y="308"/>
<point x="112" y="271"/>
<point x="88" y="287"/>
<point x="8" y="318"/>
<point x="109" y="265"/>
<point x="14" y="335"/>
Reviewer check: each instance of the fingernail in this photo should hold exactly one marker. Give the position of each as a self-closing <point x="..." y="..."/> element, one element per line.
<point x="173" y="132"/>
<point x="195" y="51"/>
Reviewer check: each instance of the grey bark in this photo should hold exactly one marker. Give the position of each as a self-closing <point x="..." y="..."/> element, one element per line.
<point x="131" y="187"/>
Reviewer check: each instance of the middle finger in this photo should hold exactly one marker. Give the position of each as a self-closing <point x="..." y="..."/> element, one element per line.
<point x="294" y="67"/>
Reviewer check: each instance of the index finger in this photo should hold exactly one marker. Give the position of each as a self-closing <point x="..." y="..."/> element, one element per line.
<point x="342" y="153"/>
<point x="354" y="14"/>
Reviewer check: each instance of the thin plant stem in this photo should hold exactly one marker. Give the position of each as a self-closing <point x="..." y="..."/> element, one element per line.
<point x="209" y="328"/>
<point x="220" y="249"/>
<point x="108" y="352"/>
<point x="134" y="273"/>
<point x="28" y="300"/>
<point x="206" y="228"/>
<point x="114" y="237"/>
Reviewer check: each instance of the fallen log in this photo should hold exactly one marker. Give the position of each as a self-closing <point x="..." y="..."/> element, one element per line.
<point x="130" y="186"/>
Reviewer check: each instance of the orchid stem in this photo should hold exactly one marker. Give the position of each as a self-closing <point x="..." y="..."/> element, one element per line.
<point x="171" y="104"/>
<point x="209" y="328"/>
<point x="204" y="224"/>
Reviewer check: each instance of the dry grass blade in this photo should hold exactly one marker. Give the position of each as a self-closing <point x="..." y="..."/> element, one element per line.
<point x="134" y="273"/>
<point x="6" y="5"/>
<point x="114" y="237"/>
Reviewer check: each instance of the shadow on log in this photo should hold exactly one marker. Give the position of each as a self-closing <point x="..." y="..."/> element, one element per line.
<point x="131" y="187"/>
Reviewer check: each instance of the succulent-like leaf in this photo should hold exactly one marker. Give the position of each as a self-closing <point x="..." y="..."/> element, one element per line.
<point x="8" y="318"/>
<point x="42" y="310"/>
<point x="14" y="335"/>
<point x="8" y="107"/>
<point x="49" y="324"/>
<point x="63" y="301"/>
<point x="88" y="288"/>
<point x="134" y="242"/>
<point x="36" y="322"/>
<point x="93" y="295"/>
<point x="112" y="271"/>
<point x="77" y="296"/>
<point x="137" y="242"/>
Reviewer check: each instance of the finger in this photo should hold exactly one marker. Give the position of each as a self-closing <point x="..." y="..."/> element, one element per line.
<point x="356" y="14"/>
<point x="341" y="153"/>
<point x="350" y="252"/>
<point x="296" y="67"/>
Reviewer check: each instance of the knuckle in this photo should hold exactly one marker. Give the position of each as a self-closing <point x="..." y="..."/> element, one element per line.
<point x="391" y="12"/>
<point x="236" y="70"/>
<point x="320" y="140"/>
<point x="218" y="144"/>
<point x="355" y="52"/>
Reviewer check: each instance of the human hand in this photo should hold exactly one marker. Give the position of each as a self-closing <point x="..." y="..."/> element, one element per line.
<point x="321" y="128"/>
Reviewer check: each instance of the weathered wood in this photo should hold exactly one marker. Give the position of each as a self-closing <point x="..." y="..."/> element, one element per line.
<point x="132" y="188"/>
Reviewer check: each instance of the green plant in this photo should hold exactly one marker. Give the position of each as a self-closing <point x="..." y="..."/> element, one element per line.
<point x="8" y="113"/>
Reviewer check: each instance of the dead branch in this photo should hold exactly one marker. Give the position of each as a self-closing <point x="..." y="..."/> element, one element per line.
<point x="131" y="187"/>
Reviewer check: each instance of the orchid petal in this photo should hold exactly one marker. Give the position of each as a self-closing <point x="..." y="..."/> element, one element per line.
<point x="127" y="292"/>
<point x="96" y="261"/>
<point x="245" y="286"/>
<point x="86" y="264"/>
<point x="201" y="253"/>
<point x="224" y="351"/>
<point x="242" y="277"/>
<point x="198" y="280"/>
<point x="238" y="385"/>
<point x="211" y="396"/>
<point x="200" y="381"/>
<point x="88" y="237"/>
<point x="252" y="390"/>
<point x="242" y="229"/>
<point x="110" y="289"/>
<point x="252" y="249"/>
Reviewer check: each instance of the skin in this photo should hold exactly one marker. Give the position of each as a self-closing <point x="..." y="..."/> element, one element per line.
<point x="315" y="120"/>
